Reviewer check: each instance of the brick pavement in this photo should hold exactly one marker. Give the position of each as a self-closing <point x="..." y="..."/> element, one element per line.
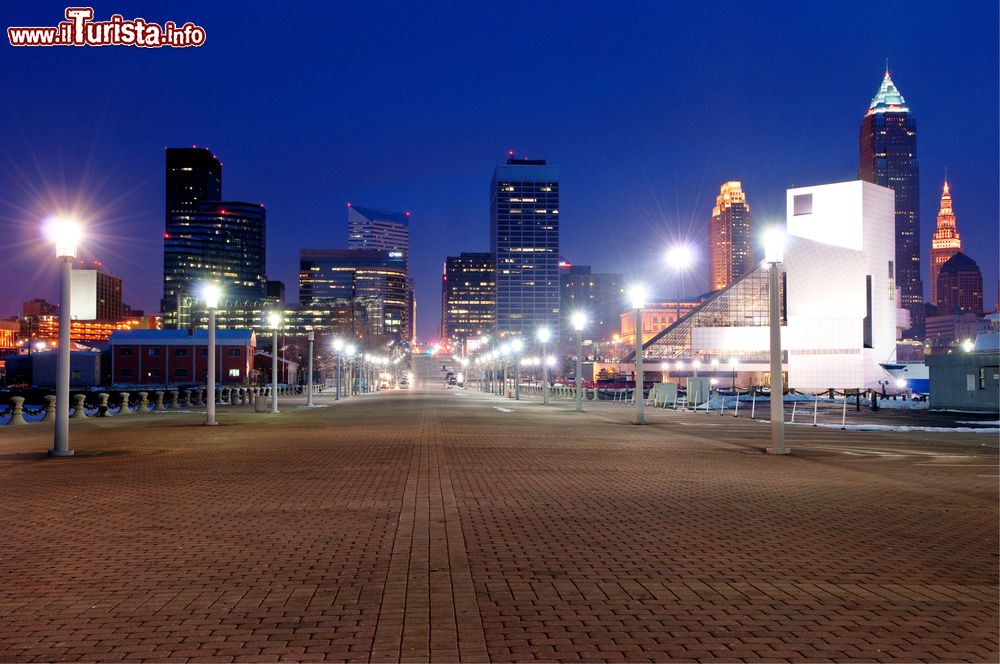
<point x="431" y="526"/>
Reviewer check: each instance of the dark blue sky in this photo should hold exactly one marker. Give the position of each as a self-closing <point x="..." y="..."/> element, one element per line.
<point x="646" y="108"/>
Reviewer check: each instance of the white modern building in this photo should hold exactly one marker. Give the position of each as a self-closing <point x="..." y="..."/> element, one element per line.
<point x="839" y="294"/>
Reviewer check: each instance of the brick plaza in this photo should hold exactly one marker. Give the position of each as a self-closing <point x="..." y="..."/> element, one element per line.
<point x="433" y="524"/>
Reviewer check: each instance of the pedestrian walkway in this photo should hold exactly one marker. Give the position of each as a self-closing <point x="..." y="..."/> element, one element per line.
<point x="445" y="524"/>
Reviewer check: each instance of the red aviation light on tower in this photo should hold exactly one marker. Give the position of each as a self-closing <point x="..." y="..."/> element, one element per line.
<point x="407" y="213"/>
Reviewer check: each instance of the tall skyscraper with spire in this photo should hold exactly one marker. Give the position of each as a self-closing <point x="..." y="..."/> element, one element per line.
<point x="946" y="242"/>
<point x="729" y="249"/>
<point x="888" y="157"/>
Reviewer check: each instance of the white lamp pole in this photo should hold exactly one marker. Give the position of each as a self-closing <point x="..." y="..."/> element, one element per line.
<point x="65" y="233"/>
<point x="210" y="293"/>
<point x="517" y="345"/>
<point x="350" y="350"/>
<point x="638" y="296"/>
<point x="543" y="336"/>
<point x="274" y="318"/>
<point x="774" y="242"/>
<point x="338" y="346"/>
<point x="579" y="319"/>
<point x="309" y="371"/>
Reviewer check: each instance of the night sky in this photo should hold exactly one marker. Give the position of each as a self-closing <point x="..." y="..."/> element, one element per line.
<point x="646" y="108"/>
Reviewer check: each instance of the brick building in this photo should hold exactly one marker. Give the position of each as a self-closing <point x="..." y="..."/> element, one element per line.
<point x="180" y="357"/>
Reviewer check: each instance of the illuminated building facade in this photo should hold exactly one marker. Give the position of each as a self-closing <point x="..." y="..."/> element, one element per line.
<point x="830" y="336"/>
<point x="730" y="250"/>
<point x="368" y="228"/>
<point x="524" y="238"/>
<point x="599" y="296"/>
<point x="95" y="294"/>
<point x="656" y="317"/>
<point x="207" y="239"/>
<point x="945" y="243"/>
<point x="374" y="281"/>
<point x="468" y="292"/>
<point x="888" y="157"/>
<point x="959" y="286"/>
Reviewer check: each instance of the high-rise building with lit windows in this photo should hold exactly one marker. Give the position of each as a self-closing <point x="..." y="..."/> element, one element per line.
<point x="207" y="239"/>
<point x="945" y="243"/>
<point x="960" y="286"/>
<point x="524" y="238"/>
<point x="468" y="296"/>
<point x="888" y="157"/>
<point x="730" y="249"/>
<point x="371" y="229"/>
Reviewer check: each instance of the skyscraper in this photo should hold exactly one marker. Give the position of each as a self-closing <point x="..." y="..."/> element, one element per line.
<point x="95" y="294"/>
<point x="945" y="243"/>
<point x="468" y="296"/>
<point x="219" y="241"/>
<point x="600" y="296"/>
<point x="207" y="239"/>
<point x="368" y="228"/>
<point x="729" y="244"/>
<point x="524" y="238"/>
<point x="960" y="286"/>
<point x="888" y="157"/>
<point x="372" y="281"/>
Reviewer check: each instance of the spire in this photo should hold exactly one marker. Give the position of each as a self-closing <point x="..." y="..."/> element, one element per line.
<point x="888" y="98"/>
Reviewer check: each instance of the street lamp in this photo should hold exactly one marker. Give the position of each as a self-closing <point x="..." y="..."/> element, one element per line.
<point x="350" y="350"/>
<point x="517" y="345"/>
<point x="338" y="347"/>
<point x="679" y="258"/>
<point x="64" y="233"/>
<point x="774" y="245"/>
<point x="274" y="321"/>
<point x="637" y="295"/>
<point x="210" y="293"/>
<point x="733" y="363"/>
<point x="309" y="371"/>
<point x="579" y="319"/>
<point x="695" y="365"/>
<point x="543" y="337"/>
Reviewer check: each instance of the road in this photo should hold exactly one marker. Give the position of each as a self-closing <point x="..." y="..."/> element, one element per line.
<point x="444" y="524"/>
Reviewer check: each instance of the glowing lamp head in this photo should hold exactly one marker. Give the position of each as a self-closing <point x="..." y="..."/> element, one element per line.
<point x="733" y="362"/>
<point x="715" y="363"/>
<point x="550" y="361"/>
<point x="517" y="345"/>
<point x="900" y="383"/>
<point x="544" y="334"/>
<point x="680" y="365"/>
<point x="664" y="366"/>
<point x="274" y="320"/>
<point x="696" y="364"/>
<point x="338" y="344"/>
<point x="578" y="320"/>
<point x="211" y="294"/>
<point x="680" y="257"/>
<point x="65" y="234"/>
<point x="968" y="345"/>
<point x="714" y="381"/>
<point x="637" y="296"/>
<point x="350" y="350"/>
<point x="774" y="245"/>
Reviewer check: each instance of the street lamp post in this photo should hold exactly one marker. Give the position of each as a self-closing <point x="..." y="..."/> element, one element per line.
<point x="638" y="296"/>
<point x="517" y="346"/>
<point x="65" y="234"/>
<point x="274" y="320"/>
<point x="309" y="371"/>
<point x="543" y="336"/>
<point x="210" y="293"/>
<point x="338" y="347"/>
<point x="350" y="350"/>
<point x="579" y="319"/>
<point x="774" y="242"/>
<point x="733" y="363"/>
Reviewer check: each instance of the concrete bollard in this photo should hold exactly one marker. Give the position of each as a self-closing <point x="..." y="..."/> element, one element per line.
<point x="50" y="408"/>
<point x="187" y="399"/>
<point x="227" y="395"/>
<point x="103" y="409"/>
<point x="243" y="392"/>
<point x="251" y="395"/>
<point x="173" y="399"/>
<point x="196" y="397"/>
<point x="260" y="405"/>
<point x="124" y="408"/>
<point x="78" y="407"/>
<point x="143" y="403"/>
<point x="17" y="410"/>
<point x="159" y="400"/>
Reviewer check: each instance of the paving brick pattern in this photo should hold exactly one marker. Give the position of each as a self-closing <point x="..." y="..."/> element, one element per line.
<point x="429" y="526"/>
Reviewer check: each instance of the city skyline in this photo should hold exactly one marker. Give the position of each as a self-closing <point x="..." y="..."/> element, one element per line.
<point x="634" y="178"/>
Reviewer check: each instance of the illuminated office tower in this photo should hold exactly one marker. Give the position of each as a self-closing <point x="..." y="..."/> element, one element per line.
<point x="371" y="229"/>
<point x="468" y="304"/>
<point x="730" y="250"/>
<point x="945" y="243"/>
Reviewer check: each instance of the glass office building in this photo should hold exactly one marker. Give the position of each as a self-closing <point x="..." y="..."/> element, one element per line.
<point x="468" y="296"/>
<point x="524" y="238"/>
<point x="888" y="157"/>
